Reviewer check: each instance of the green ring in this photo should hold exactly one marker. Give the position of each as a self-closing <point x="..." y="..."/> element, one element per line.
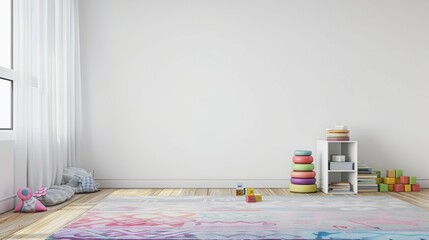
<point x="303" y="167"/>
<point x="303" y="153"/>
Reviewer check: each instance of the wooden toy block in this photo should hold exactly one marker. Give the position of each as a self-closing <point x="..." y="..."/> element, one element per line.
<point x="250" y="191"/>
<point x="379" y="180"/>
<point x="390" y="187"/>
<point x="383" y="187"/>
<point x="250" y="198"/>
<point x="398" y="187"/>
<point x="258" y="197"/>
<point x="389" y="180"/>
<point x="407" y="188"/>
<point x="413" y="180"/>
<point x="397" y="181"/>
<point x="378" y="174"/>
<point x="398" y="173"/>
<point x="239" y="192"/>
<point x="404" y="179"/>
<point x="390" y="173"/>
<point x="415" y="187"/>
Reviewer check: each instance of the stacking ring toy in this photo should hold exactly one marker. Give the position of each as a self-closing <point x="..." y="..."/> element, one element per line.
<point x="303" y="167"/>
<point x="303" y="153"/>
<point x="303" y="188"/>
<point x="302" y="159"/>
<point x="306" y="181"/>
<point x="295" y="174"/>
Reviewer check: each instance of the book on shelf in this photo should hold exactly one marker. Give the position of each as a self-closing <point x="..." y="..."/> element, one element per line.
<point x="340" y="187"/>
<point x="363" y="168"/>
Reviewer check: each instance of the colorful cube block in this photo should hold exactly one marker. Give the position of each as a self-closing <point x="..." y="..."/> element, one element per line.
<point x="391" y="173"/>
<point x="397" y="181"/>
<point x="398" y="173"/>
<point x="407" y="188"/>
<point x="398" y="187"/>
<point x="379" y="180"/>
<point x="415" y="187"/>
<point x="239" y="192"/>
<point x="389" y="180"/>
<point x="258" y="197"/>
<point x="250" y="191"/>
<point x="390" y="187"/>
<point x="404" y="179"/>
<point x="383" y="187"/>
<point x="413" y="180"/>
<point x="250" y="198"/>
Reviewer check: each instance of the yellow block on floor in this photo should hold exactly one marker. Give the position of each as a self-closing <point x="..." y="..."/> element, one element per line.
<point x="391" y="187"/>
<point x="389" y="180"/>
<point x="250" y="191"/>
<point x="407" y="188"/>
<point x="258" y="197"/>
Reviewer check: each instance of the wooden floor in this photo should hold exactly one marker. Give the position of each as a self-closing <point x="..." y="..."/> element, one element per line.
<point x="41" y="225"/>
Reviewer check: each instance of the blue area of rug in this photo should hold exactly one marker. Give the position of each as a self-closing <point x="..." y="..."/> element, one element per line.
<point x="306" y="217"/>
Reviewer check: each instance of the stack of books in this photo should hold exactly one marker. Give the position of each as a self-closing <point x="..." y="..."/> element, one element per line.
<point x="367" y="179"/>
<point x="340" y="187"/>
<point x="338" y="133"/>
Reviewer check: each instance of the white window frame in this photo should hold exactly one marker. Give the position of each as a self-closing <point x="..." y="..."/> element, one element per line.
<point x="10" y="74"/>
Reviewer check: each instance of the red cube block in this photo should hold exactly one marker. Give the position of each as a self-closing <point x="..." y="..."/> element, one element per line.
<point x="250" y="198"/>
<point x="415" y="187"/>
<point x="399" y="187"/>
<point x="404" y="179"/>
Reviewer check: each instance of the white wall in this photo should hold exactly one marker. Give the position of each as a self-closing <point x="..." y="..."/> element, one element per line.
<point x="202" y="93"/>
<point x="7" y="188"/>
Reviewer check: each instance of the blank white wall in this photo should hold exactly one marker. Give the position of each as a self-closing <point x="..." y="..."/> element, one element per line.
<point x="202" y="93"/>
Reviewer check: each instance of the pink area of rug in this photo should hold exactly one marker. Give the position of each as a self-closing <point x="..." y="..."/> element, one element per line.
<point x="303" y="217"/>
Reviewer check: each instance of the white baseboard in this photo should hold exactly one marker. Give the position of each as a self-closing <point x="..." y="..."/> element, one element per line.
<point x="7" y="203"/>
<point x="205" y="183"/>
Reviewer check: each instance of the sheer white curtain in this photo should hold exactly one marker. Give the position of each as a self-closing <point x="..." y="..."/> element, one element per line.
<point x="47" y="87"/>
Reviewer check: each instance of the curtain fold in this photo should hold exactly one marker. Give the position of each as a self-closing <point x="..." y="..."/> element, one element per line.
<point x="48" y="88"/>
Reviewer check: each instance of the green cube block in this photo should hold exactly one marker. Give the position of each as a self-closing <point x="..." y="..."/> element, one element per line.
<point x="378" y="174"/>
<point x="413" y="179"/>
<point x="383" y="187"/>
<point x="398" y="173"/>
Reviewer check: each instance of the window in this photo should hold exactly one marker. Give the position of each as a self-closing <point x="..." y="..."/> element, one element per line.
<point x="6" y="100"/>
<point x="7" y="75"/>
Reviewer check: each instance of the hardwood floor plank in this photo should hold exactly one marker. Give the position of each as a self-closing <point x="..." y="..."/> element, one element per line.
<point x="189" y="192"/>
<point x="202" y="192"/>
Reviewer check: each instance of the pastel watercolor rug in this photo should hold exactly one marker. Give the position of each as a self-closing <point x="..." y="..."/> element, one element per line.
<point x="302" y="217"/>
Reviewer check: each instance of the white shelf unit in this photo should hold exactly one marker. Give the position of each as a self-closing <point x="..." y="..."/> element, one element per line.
<point x="325" y="149"/>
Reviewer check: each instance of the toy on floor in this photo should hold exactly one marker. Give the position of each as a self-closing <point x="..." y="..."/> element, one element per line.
<point x="28" y="203"/>
<point x="239" y="191"/>
<point x="254" y="197"/>
<point x="249" y="193"/>
<point x="303" y="177"/>
<point x="396" y="181"/>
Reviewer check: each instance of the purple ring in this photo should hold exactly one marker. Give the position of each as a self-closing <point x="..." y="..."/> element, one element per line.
<point x="303" y="181"/>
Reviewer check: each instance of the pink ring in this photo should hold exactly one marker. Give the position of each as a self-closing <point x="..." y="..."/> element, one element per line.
<point x="303" y="181"/>
<point x="296" y="174"/>
<point x="302" y="159"/>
